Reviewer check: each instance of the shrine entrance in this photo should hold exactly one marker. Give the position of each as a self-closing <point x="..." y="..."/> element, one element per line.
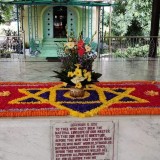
<point x="60" y="22"/>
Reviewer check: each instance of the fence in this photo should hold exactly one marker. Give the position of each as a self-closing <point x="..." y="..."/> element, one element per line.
<point x="12" y="46"/>
<point x="135" y="46"/>
<point x="126" y="47"/>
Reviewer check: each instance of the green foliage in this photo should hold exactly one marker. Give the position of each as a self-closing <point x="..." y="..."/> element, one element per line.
<point x="131" y="17"/>
<point x="62" y="76"/>
<point x="5" y="13"/>
<point x="132" y="52"/>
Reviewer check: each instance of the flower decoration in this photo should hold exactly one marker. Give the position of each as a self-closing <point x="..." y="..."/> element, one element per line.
<point x="151" y="93"/>
<point x="4" y="93"/>
<point x="77" y="57"/>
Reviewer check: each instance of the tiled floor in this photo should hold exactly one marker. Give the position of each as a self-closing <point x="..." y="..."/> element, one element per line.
<point x="30" y="138"/>
<point x="38" y="69"/>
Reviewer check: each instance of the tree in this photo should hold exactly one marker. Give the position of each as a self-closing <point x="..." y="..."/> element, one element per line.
<point x="154" y="28"/>
<point x="5" y="13"/>
<point x="131" y="17"/>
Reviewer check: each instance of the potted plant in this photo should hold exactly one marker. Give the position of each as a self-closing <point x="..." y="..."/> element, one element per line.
<point x="77" y="57"/>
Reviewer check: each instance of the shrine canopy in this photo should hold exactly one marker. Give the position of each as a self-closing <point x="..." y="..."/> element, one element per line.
<point x="60" y="2"/>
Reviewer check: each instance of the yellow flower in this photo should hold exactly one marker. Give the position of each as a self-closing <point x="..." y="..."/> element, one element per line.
<point x="89" y="86"/>
<point x="76" y="80"/>
<point x="78" y="85"/>
<point x="89" y="79"/>
<point x="87" y="75"/>
<point x="84" y="71"/>
<point x="87" y="48"/>
<point x="78" y="72"/>
<point x="70" y="45"/>
<point x="64" y="84"/>
<point x="70" y="74"/>
<point x="77" y="65"/>
<point x="70" y="39"/>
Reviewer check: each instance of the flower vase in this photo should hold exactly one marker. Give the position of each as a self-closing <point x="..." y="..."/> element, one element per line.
<point x="77" y="92"/>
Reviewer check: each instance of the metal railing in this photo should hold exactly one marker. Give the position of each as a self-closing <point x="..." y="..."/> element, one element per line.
<point x="12" y="46"/>
<point x="131" y="46"/>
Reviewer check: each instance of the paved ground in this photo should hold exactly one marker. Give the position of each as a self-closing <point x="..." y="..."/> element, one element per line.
<point x="38" y="69"/>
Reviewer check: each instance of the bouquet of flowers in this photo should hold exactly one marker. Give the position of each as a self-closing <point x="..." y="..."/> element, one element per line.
<point x="77" y="57"/>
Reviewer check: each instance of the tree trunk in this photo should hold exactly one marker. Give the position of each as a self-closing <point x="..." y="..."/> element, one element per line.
<point x="154" y="28"/>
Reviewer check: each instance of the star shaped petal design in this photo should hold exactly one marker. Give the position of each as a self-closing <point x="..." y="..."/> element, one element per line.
<point x="95" y="99"/>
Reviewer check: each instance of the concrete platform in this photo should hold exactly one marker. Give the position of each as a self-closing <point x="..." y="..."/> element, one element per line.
<point x="138" y="137"/>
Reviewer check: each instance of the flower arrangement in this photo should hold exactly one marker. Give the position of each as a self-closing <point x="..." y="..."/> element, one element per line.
<point x="77" y="57"/>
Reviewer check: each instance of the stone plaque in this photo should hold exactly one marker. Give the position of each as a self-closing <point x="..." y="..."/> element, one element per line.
<point x="83" y="140"/>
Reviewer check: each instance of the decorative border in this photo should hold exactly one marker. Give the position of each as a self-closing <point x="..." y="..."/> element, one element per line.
<point x="101" y="111"/>
<point x="129" y="111"/>
<point x="30" y="113"/>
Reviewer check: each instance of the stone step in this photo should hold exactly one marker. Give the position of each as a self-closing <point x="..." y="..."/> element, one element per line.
<point x="55" y="40"/>
<point x="49" y="47"/>
<point x="48" y="52"/>
<point x="49" y="43"/>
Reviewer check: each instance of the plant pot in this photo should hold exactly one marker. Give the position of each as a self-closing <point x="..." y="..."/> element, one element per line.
<point x="76" y="92"/>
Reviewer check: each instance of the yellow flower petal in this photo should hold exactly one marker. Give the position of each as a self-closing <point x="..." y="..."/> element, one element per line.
<point x="87" y="48"/>
<point x="89" y="79"/>
<point x="70" y="74"/>
<point x="70" y="45"/>
<point x="78" y="85"/>
<point x="64" y="84"/>
<point x="76" y="80"/>
<point x="70" y="39"/>
<point x="78" y="72"/>
<point x="77" y="65"/>
<point x="84" y="71"/>
<point x="87" y="75"/>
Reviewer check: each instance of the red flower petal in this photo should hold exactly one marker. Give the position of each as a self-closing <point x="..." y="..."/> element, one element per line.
<point x="81" y="51"/>
<point x="80" y="43"/>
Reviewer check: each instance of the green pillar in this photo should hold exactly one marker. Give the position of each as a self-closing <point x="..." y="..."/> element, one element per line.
<point x="30" y="26"/>
<point x="84" y="21"/>
<point x="89" y="21"/>
<point x="35" y="22"/>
